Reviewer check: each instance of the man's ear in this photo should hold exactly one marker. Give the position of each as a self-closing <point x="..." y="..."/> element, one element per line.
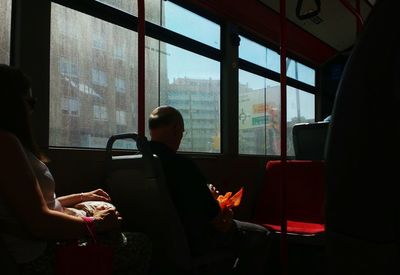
<point x="175" y="130"/>
<point x="175" y="127"/>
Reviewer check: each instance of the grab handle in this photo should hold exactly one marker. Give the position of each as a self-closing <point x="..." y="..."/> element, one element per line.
<point x="141" y="142"/>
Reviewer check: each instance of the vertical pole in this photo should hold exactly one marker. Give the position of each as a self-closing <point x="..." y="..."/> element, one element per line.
<point x="141" y="68"/>
<point x="229" y="82"/>
<point x="355" y="11"/>
<point x="296" y="75"/>
<point x="283" y="244"/>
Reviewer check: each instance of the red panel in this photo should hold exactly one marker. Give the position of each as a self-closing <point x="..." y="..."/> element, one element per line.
<point x="263" y="22"/>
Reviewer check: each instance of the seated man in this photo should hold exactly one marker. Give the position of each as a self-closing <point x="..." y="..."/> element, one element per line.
<point x="207" y="227"/>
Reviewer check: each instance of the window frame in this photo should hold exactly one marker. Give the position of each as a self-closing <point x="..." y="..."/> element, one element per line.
<point x="274" y="76"/>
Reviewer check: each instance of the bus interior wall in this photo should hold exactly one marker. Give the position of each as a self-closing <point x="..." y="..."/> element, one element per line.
<point x="76" y="171"/>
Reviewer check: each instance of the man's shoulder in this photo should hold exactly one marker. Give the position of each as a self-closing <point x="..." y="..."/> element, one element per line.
<point x="186" y="161"/>
<point x="172" y="160"/>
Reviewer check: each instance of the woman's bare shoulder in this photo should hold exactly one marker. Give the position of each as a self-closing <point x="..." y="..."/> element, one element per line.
<point x="9" y="142"/>
<point x="7" y="136"/>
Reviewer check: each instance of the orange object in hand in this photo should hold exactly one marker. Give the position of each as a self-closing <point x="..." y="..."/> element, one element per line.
<point x="229" y="201"/>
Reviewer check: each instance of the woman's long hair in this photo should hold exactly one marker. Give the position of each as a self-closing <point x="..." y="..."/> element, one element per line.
<point x="15" y="97"/>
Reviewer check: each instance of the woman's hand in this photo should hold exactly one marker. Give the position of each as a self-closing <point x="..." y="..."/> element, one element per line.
<point x="107" y="220"/>
<point x="95" y="195"/>
<point x="73" y="199"/>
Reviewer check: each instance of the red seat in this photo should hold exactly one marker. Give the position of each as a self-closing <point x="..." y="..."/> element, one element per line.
<point x="298" y="227"/>
<point x="305" y="197"/>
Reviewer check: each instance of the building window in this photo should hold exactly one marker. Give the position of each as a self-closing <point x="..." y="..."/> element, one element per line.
<point x="98" y="101"/>
<point x="67" y="68"/>
<point x="120" y="85"/>
<point x="70" y="106"/>
<point x="99" y="77"/>
<point x="5" y="31"/>
<point x="99" y="42"/>
<point x="100" y="113"/>
<point x="119" y="52"/>
<point x="121" y="118"/>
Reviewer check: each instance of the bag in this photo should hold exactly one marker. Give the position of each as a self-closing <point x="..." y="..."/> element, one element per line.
<point x="86" y="258"/>
<point x="90" y="207"/>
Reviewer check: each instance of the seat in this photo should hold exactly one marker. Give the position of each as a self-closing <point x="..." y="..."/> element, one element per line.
<point x="137" y="188"/>
<point x="305" y="199"/>
<point x="362" y="209"/>
<point x="7" y="264"/>
<point x="309" y="140"/>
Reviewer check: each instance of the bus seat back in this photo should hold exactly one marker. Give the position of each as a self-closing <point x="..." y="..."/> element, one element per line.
<point x="137" y="188"/>
<point x="360" y="256"/>
<point x="363" y="144"/>
<point x="309" y="140"/>
<point x="305" y="192"/>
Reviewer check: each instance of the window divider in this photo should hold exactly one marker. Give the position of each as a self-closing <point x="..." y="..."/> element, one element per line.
<point x="102" y="11"/>
<point x="264" y="72"/>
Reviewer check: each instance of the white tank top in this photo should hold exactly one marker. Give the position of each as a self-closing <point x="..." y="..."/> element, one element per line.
<point x="25" y="250"/>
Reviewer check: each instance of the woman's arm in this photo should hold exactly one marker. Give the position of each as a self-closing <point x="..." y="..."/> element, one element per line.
<point x="95" y="195"/>
<point x="20" y="191"/>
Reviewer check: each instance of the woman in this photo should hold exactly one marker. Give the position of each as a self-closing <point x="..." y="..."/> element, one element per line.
<point x="32" y="219"/>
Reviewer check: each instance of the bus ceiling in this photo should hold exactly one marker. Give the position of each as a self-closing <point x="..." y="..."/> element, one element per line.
<point x="333" y="22"/>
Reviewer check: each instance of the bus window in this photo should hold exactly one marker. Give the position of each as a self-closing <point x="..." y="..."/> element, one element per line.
<point x="5" y="30"/>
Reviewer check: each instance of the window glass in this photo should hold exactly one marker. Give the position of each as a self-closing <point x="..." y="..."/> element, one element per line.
<point x="70" y="106"/>
<point x="300" y="72"/>
<point x="259" y="55"/>
<point x="187" y="23"/>
<point x="94" y="88"/>
<point x="259" y="115"/>
<point x="190" y="83"/>
<point x="300" y="109"/>
<point x="5" y="30"/>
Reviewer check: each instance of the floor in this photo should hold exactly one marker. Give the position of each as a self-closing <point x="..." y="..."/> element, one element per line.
<point x="302" y="258"/>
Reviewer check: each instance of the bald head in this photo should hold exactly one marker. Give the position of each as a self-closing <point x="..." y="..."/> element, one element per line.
<point x="166" y="126"/>
<point x="164" y="116"/>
